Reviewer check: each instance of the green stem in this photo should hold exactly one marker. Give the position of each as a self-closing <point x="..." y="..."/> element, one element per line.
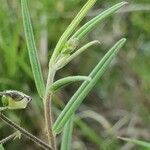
<point x="48" y="109"/>
<point x="24" y="132"/>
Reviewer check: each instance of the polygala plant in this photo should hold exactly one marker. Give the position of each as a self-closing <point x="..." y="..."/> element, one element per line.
<point x="66" y="50"/>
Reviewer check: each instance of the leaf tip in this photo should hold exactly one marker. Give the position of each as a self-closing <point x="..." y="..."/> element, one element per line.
<point x="125" y="2"/>
<point x="121" y="138"/>
<point x="123" y="40"/>
<point x="97" y="42"/>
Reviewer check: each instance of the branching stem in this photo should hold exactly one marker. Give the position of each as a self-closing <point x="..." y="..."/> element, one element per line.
<point x="24" y="132"/>
<point x="10" y="137"/>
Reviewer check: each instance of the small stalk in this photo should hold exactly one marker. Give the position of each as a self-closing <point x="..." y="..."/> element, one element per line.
<point x="25" y="133"/>
<point x="10" y="137"/>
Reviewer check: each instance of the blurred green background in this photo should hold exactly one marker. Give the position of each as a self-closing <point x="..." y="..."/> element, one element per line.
<point x="119" y="105"/>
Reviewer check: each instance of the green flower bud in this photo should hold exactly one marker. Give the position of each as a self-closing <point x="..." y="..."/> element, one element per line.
<point x="70" y="46"/>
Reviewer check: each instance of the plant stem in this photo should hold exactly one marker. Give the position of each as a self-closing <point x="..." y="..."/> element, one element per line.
<point x="48" y="110"/>
<point x="24" y="132"/>
<point x="8" y="138"/>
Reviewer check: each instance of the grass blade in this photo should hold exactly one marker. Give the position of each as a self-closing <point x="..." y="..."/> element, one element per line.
<point x="86" y="87"/>
<point x="88" y="132"/>
<point x="67" y="135"/>
<point x="137" y="142"/>
<point x="93" y="23"/>
<point x="68" y="80"/>
<point x="36" y="68"/>
<point x="72" y="27"/>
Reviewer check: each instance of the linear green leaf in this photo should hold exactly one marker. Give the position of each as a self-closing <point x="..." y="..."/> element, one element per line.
<point x="89" y="26"/>
<point x="87" y="131"/>
<point x="36" y="68"/>
<point x="86" y="87"/>
<point x="137" y="142"/>
<point x="72" y="27"/>
<point x="66" y="81"/>
<point x="67" y="135"/>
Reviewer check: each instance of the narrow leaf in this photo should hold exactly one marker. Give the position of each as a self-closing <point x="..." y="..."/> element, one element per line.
<point x="67" y="135"/>
<point x="86" y="87"/>
<point x="86" y="130"/>
<point x="89" y="26"/>
<point x="137" y="142"/>
<point x="36" y="68"/>
<point x="66" y="81"/>
<point x="72" y="27"/>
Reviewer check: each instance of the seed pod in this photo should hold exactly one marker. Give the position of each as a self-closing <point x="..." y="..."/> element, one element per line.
<point x="12" y="99"/>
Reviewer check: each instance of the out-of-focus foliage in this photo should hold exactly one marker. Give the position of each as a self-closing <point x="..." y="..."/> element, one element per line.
<point x="122" y="96"/>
